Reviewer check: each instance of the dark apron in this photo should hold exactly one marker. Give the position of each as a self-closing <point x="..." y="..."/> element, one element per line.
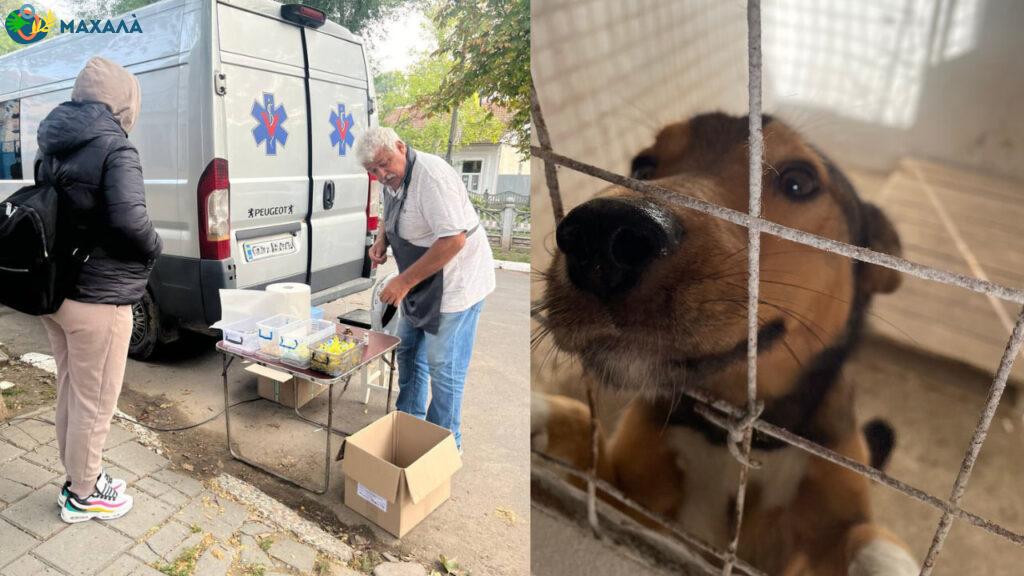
<point x="422" y="305"/>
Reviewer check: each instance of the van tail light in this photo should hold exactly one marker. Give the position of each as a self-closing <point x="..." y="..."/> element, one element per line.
<point x="303" y="15"/>
<point x="372" y="204"/>
<point x="214" y="211"/>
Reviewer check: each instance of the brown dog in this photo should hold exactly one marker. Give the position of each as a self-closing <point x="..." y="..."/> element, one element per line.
<point x="650" y="296"/>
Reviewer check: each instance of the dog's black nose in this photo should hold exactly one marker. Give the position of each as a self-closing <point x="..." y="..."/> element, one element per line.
<point x="608" y="242"/>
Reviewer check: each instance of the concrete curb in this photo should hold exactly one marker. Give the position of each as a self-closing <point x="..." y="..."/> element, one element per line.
<point x="513" y="266"/>
<point x="41" y="361"/>
<point x="282" y="517"/>
<point x="37" y="413"/>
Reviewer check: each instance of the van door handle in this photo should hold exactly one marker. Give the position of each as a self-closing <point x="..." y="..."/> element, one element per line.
<point x="328" y="194"/>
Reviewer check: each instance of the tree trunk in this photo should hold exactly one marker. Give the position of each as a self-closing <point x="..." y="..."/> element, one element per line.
<point x="452" y="134"/>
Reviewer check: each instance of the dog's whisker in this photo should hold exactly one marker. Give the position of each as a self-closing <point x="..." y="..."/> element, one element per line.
<point x="803" y="321"/>
<point x="843" y="301"/>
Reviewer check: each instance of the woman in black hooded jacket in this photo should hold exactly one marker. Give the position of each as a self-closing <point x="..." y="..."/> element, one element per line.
<point x="84" y="151"/>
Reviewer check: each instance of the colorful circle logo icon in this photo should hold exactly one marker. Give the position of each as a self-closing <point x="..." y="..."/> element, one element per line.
<point x="26" y="25"/>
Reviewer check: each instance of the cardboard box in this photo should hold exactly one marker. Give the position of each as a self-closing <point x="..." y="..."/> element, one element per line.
<point x="398" y="470"/>
<point x="284" y="388"/>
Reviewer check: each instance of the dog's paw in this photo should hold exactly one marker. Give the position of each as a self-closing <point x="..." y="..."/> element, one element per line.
<point x="882" y="557"/>
<point x="540" y="414"/>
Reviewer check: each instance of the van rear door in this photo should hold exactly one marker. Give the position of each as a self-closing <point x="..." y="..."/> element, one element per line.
<point x="264" y="107"/>
<point x="338" y="97"/>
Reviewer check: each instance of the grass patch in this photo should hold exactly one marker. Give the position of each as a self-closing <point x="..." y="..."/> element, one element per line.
<point x="254" y="570"/>
<point x="511" y="255"/>
<point x="195" y="528"/>
<point x="322" y="567"/>
<point x="183" y="565"/>
<point x="365" y="562"/>
<point x="266" y="543"/>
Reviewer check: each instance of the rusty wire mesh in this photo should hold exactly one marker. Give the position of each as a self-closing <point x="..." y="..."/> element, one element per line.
<point x="740" y="423"/>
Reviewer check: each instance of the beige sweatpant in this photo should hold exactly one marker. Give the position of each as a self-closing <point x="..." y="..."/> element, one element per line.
<point x="90" y="346"/>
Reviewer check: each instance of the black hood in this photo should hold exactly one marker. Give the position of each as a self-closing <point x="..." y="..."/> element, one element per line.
<point x="72" y="125"/>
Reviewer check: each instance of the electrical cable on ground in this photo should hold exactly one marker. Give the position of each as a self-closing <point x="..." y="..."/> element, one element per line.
<point x="134" y="421"/>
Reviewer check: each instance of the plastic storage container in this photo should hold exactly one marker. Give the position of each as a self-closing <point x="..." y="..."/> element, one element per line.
<point x="243" y="335"/>
<point x="336" y="354"/>
<point x="269" y="332"/>
<point x="296" y="339"/>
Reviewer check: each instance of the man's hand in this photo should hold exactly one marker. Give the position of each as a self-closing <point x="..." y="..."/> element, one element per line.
<point x="379" y="252"/>
<point x="395" y="291"/>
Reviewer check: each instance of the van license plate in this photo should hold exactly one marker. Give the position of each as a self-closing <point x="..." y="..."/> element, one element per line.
<point x="268" y="249"/>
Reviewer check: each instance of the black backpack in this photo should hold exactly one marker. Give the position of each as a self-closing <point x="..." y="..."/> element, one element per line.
<point x="39" y="257"/>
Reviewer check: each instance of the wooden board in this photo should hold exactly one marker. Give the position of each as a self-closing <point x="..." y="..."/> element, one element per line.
<point x="958" y="221"/>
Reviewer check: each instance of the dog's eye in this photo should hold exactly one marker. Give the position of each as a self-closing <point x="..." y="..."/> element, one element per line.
<point x="799" y="181"/>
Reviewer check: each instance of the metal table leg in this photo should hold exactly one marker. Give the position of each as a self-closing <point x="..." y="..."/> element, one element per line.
<point x="327" y="450"/>
<point x="330" y="401"/>
<point x="327" y="432"/>
<point x="226" y="361"/>
<point x="391" y="380"/>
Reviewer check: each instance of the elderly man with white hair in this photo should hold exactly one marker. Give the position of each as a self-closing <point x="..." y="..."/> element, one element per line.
<point x="445" y="272"/>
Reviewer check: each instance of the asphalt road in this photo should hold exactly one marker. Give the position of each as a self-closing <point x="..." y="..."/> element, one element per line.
<point x="485" y="525"/>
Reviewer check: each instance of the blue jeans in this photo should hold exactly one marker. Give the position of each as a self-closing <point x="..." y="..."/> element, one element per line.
<point x="444" y="357"/>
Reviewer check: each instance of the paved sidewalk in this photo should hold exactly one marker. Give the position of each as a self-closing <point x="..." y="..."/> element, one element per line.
<point x="178" y="526"/>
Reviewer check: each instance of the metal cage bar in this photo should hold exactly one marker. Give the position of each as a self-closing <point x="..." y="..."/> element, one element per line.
<point x="756" y="152"/>
<point x="995" y="393"/>
<point x="741" y="423"/>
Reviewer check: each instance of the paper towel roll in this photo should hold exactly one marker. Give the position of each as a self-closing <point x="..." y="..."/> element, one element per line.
<point x="289" y="298"/>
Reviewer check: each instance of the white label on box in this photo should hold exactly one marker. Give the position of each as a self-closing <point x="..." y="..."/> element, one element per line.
<point x="372" y="497"/>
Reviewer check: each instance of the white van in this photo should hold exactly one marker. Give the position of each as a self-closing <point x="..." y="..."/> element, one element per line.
<point x="249" y="113"/>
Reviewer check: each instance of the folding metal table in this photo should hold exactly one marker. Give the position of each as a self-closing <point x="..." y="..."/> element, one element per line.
<point x="379" y="345"/>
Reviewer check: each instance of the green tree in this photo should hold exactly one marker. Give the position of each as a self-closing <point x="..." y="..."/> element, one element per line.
<point x="488" y="43"/>
<point x="6" y="44"/>
<point x="405" y="104"/>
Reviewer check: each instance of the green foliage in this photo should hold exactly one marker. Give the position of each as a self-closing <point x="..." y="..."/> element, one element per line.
<point x="406" y="105"/>
<point x="450" y="567"/>
<point x="103" y="9"/>
<point x="7" y="45"/>
<point x="510" y="255"/>
<point x="183" y="565"/>
<point x="488" y="43"/>
<point x="254" y="570"/>
<point x="322" y="567"/>
<point x="366" y="561"/>
<point x="118" y="7"/>
<point x="477" y="202"/>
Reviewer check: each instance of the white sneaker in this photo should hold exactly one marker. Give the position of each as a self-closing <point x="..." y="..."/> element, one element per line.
<point x="119" y="485"/>
<point x="104" y="503"/>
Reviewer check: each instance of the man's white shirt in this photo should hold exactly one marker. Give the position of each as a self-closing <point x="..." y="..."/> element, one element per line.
<point x="437" y="206"/>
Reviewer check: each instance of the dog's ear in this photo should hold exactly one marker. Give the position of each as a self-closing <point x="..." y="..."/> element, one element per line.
<point x="643" y="166"/>
<point x="882" y="237"/>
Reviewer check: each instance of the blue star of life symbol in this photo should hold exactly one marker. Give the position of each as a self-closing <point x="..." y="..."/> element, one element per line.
<point x="342" y="130"/>
<point x="269" y="119"/>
